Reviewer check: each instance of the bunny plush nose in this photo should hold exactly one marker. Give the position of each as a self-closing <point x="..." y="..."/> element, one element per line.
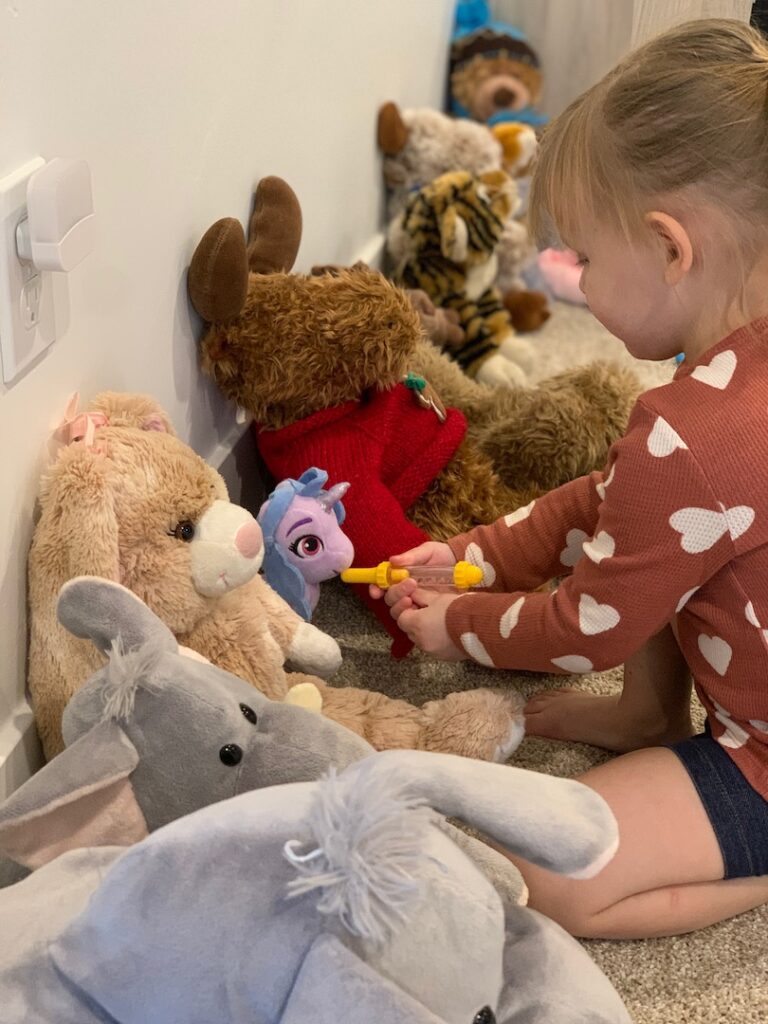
<point x="227" y="549"/>
<point x="248" y="540"/>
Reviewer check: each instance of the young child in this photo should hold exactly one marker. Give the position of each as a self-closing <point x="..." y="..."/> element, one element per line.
<point x="658" y="178"/>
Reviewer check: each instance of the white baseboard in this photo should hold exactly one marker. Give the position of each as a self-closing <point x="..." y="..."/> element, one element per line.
<point x="20" y="751"/>
<point x="372" y="252"/>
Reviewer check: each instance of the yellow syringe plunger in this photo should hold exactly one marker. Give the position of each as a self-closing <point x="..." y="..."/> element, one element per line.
<point x="462" y="575"/>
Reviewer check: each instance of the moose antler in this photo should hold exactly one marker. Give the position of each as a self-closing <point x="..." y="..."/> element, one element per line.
<point x="218" y="274"/>
<point x="275" y="231"/>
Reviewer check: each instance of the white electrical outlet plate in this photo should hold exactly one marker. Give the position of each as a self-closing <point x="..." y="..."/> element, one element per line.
<point x="27" y="315"/>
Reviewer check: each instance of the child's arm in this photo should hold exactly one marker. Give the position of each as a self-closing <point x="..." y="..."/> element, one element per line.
<point x="661" y="534"/>
<point x="544" y="539"/>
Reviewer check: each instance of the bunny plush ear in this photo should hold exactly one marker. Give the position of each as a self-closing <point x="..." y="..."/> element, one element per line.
<point x="83" y="797"/>
<point x="78" y="531"/>
<point x="391" y="130"/>
<point x="102" y="611"/>
<point x="218" y="274"/>
<point x="124" y="409"/>
<point x="558" y="824"/>
<point x="275" y="231"/>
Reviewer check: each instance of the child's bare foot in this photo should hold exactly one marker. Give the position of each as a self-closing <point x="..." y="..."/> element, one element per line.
<point x="568" y="714"/>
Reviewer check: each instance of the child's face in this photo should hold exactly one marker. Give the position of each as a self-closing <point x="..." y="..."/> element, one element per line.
<point x="625" y="287"/>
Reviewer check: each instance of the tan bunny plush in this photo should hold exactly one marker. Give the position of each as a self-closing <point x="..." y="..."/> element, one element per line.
<point x="129" y="502"/>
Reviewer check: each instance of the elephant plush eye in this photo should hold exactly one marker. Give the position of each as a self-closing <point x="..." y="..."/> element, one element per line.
<point x="230" y="754"/>
<point x="185" y="530"/>
<point x="248" y="713"/>
<point x="485" y="1016"/>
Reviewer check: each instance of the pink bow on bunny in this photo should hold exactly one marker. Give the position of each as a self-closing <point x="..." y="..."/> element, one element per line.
<point x="81" y="426"/>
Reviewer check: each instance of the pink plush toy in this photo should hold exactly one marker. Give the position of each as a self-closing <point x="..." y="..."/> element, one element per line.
<point x="562" y="273"/>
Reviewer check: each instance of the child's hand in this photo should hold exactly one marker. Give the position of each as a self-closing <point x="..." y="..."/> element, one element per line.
<point x="429" y="553"/>
<point x="423" y="622"/>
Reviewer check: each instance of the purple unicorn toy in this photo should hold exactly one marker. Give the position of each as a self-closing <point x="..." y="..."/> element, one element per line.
<point x="303" y="540"/>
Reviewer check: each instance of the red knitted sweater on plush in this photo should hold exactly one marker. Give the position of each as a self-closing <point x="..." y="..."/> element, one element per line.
<point x="675" y="529"/>
<point x="390" y="449"/>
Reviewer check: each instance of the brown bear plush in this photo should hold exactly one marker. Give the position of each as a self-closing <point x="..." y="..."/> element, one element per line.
<point x="128" y="501"/>
<point x="332" y="368"/>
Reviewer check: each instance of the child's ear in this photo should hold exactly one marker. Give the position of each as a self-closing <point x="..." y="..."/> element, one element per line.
<point x="676" y="242"/>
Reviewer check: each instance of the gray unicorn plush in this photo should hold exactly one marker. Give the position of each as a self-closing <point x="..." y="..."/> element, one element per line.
<point x="333" y="900"/>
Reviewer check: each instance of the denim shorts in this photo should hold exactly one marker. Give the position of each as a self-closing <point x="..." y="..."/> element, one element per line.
<point x="737" y="812"/>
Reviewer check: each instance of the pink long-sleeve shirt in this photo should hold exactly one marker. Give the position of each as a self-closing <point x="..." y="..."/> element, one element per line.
<point x="674" y="528"/>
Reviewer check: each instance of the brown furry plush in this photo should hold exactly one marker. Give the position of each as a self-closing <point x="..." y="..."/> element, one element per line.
<point x="300" y="344"/>
<point x="111" y="510"/>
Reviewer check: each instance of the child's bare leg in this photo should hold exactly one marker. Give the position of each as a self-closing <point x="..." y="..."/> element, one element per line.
<point x="667" y="875"/>
<point x="653" y="706"/>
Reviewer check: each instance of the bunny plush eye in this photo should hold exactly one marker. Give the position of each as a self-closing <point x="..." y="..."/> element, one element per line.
<point x="185" y="530"/>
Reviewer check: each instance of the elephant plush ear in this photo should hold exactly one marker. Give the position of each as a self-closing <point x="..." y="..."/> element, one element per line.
<point x="83" y="797"/>
<point x="105" y="612"/>
<point x="558" y="824"/>
<point x="218" y="274"/>
<point x="391" y="131"/>
<point x="334" y="984"/>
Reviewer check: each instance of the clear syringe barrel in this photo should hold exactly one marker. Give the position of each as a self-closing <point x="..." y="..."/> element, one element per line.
<point x="460" y="576"/>
<point x="431" y="575"/>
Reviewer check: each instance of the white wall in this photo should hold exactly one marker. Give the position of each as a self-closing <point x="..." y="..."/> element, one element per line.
<point x="180" y="106"/>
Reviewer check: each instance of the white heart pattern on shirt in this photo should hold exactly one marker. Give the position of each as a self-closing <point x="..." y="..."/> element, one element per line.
<point x="751" y="617"/>
<point x="473" y="646"/>
<point x="595" y="617"/>
<point x="757" y="724"/>
<point x="719" y="372"/>
<point x="685" y="599"/>
<point x="600" y="547"/>
<point x="702" y="528"/>
<point x="600" y="488"/>
<point x="474" y="555"/>
<point x="574" y="548"/>
<point x="734" y="736"/>
<point x="716" y="652"/>
<point x="519" y="514"/>
<point x="664" y="439"/>
<point x="574" y="663"/>
<point x="510" y="617"/>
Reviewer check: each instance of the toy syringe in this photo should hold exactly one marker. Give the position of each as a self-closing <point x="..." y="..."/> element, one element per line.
<point x="460" y="576"/>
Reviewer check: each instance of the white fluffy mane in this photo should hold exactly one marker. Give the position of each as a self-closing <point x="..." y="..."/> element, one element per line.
<point x="125" y="672"/>
<point x="369" y="858"/>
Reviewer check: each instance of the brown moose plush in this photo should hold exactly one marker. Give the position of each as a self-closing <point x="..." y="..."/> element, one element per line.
<point x="129" y="502"/>
<point x="333" y="370"/>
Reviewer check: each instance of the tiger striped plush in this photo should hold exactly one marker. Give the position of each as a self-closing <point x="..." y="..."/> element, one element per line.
<point x="446" y="240"/>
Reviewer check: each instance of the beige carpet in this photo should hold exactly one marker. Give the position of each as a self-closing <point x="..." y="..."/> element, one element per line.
<point x="715" y="976"/>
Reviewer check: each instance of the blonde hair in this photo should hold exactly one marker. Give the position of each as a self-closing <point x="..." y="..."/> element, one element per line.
<point x="683" y="118"/>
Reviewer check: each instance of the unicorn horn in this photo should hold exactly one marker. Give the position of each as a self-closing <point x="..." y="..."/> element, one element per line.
<point x="327" y="499"/>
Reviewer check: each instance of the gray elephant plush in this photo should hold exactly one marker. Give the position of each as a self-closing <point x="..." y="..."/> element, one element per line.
<point x="327" y="901"/>
<point x="342" y="899"/>
<point x="158" y="733"/>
